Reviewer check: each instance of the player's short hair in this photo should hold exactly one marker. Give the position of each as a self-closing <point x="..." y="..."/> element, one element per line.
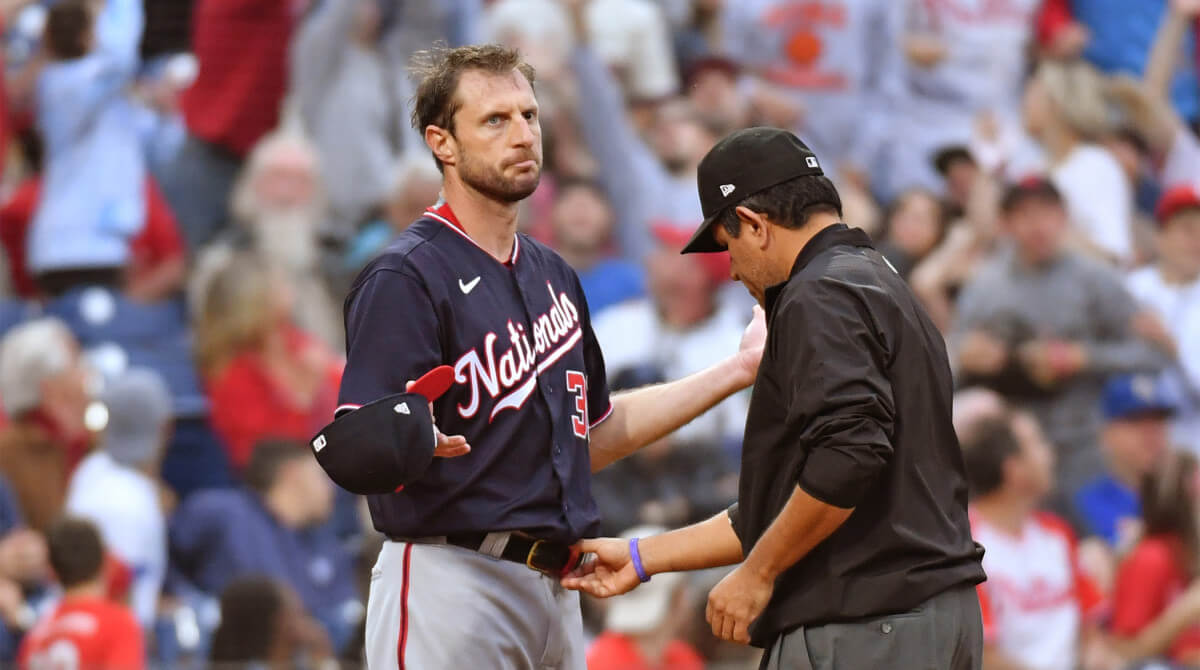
<point x="67" y="26"/>
<point x="789" y="204"/>
<point x="985" y="451"/>
<point x="267" y="459"/>
<point x="440" y="70"/>
<point x="76" y="551"/>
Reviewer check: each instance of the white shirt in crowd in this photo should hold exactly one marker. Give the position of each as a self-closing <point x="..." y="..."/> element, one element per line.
<point x="631" y="334"/>
<point x="1033" y="609"/>
<point x="1178" y="307"/>
<point x="124" y="505"/>
<point x="1099" y="198"/>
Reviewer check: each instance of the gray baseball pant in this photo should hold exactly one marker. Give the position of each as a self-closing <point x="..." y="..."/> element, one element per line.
<point x="441" y="607"/>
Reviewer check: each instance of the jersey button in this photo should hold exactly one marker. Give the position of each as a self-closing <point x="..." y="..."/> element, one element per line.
<point x="557" y="449"/>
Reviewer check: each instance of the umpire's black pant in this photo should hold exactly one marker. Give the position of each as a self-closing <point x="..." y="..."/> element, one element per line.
<point x="943" y="633"/>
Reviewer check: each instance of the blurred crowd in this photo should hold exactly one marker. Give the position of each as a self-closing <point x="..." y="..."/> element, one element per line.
<point x="189" y="186"/>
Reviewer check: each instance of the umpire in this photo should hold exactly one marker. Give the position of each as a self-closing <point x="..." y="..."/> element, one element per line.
<point x="851" y="527"/>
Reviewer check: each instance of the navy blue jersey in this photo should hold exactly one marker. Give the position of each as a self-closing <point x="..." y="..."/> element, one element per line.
<point x="529" y="380"/>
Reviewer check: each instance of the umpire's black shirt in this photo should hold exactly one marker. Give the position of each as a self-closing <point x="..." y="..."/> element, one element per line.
<point x="852" y="403"/>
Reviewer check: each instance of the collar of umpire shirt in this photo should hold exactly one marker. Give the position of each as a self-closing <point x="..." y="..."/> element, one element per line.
<point x="838" y="234"/>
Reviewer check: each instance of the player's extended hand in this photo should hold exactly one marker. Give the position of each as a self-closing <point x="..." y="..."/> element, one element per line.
<point x="750" y="351"/>
<point x="736" y="602"/>
<point x="608" y="573"/>
<point x="448" y="446"/>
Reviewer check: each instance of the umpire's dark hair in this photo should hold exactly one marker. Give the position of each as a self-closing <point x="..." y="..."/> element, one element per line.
<point x="789" y="204"/>
<point x="985" y="451"/>
<point x="67" y="26"/>
<point x="76" y="551"/>
<point x="440" y="69"/>
<point x="266" y="459"/>
<point x="250" y="610"/>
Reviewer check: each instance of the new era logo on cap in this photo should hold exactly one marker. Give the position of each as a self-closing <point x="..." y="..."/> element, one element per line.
<point x="319" y="443"/>
<point x="811" y="161"/>
<point x="726" y="189"/>
<point x="402" y="408"/>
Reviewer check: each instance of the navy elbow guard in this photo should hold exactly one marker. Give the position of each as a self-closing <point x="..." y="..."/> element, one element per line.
<point x="383" y="445"/>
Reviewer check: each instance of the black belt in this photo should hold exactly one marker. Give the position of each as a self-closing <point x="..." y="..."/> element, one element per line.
<point x="546" y="556"/>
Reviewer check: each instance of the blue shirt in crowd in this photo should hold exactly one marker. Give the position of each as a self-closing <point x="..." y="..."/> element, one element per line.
<point x="1104" y="503"/>
<point x="220" y="535"/>
<point x="612" y="281"/>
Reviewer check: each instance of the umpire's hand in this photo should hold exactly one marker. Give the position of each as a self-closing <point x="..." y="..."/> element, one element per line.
<point x="736" y="602"/>
<point x="448" y="446"/>
<point x="607" y="572"/>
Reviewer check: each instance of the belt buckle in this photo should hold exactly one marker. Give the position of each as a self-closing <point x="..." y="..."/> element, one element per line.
<point x="531" y="560"/>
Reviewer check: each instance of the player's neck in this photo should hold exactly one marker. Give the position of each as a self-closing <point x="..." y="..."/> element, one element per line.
<point x="93" y="590"/>
<point x="492" y="224"/>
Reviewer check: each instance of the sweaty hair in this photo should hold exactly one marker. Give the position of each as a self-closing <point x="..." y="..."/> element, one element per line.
<point x="440" y="69"/>
<point x="267" y="458"/>
<point x="250" y="610"/>
<point x="985" y="452"/>
<point x="789" y="204"/>
<point x="67" y="26"/>
<point x="76" y="551"/>
<point x="1168" y="504"/>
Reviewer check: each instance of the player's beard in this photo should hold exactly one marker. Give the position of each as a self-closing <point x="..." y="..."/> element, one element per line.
<point x="492" y="182"/>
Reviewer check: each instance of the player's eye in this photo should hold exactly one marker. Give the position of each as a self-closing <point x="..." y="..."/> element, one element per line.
<point x="494" y="120"/>
<point x="530" y="115"/>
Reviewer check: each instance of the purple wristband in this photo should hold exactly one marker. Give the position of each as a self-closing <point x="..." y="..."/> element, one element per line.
<point x="637" y="560"/>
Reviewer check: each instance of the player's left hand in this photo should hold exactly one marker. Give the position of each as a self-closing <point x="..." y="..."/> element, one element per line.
<point x="750" y="351"/>
<point x="448" y="446"/>
<point x="736" y="602"/>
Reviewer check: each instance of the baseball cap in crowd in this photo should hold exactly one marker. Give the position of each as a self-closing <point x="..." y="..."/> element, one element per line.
<point x="710" y="63"/>
<point x="741" y="164"/>
<point x="1135" y="395"/>
<point x="1177" y="199"/>
<point x="1034" y="187"/>
<point x="383" y="445"/>
<point x="716" y="266"/>
<point x="646" y="607"/>
<point x="139" y="408"/>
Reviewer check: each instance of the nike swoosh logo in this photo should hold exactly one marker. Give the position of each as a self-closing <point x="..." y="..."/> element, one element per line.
<point x="469" y="286"/>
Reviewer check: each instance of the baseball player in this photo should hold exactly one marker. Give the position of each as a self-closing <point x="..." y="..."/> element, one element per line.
<point x="482" y="512"/>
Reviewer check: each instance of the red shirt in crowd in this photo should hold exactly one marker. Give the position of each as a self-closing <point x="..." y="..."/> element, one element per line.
<point x="158" y="242"/>
<point x="85" y="633"/>
<point x="1148" y="582"/>
<point x="242" y="49"/>
<point x="247" y="405"/>
<point x="614" y="651"/>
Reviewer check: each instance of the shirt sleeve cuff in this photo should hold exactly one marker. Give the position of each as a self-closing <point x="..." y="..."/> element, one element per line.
<point x="735" y="517"/>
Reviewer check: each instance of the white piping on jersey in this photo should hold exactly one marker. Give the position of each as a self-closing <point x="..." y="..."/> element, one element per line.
<point x="604" y="416"/>
<point x="516" y="239"/>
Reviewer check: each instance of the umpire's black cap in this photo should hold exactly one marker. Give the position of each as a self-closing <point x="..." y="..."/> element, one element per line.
<point x="381" y="446"/>
<point x="741" y="164"/>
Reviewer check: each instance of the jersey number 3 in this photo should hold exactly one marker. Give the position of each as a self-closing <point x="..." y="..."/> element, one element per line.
<point x="577" y="384"/>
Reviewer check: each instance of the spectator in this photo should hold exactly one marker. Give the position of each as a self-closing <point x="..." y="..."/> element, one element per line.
<point x="265" y="377"/>
<point x="23" y="567"/>
<point x="44" y="387"/>
<point x="263" y="625"/>
<point x="583" y="229"/>
<point x="642" y="629"/>
<point x="958" y="169"/>
<point x="939" y="89"/>
<point x="1037" y="614"/>
<point x="279" y="206"/>
<point x="833" y="60"/>
<point x="1134" y="438"/>
<point x="93" y="203"/>
<point x="1156" y="600"/>
<point x="236" y="99"/>
<point x="1065" y="110"/>
<point x="913" y="226"/>
<point x="275" y="526"/>
<point x="1044" y="325"/>
<point x="1170" y="290"/>
<point x="85" y="627"/>
<point x="351" y="106"/>
<point x="679" y="328"/>
<point x="415" y="186"/>
<point x="117" y="486"/>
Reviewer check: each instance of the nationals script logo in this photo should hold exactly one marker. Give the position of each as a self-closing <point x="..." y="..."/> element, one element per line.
<point x="554" y="334"/>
